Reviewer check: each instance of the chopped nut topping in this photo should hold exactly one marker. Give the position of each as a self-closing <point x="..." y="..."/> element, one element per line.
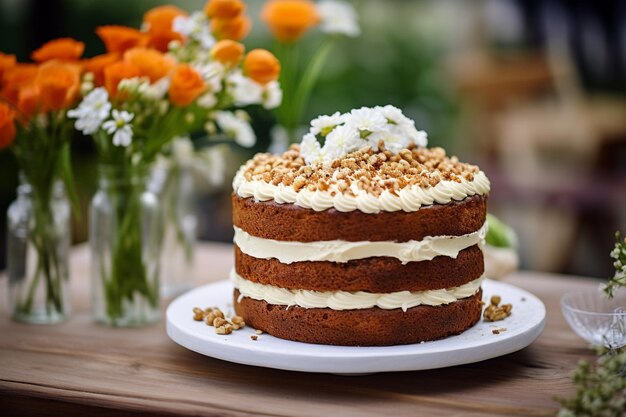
<point x="257" y="331"/>
<point x="373" y="171"/>
<point x="494" y="312"/>
<point x="213" y="316"/>
<point x="254" y="337"/>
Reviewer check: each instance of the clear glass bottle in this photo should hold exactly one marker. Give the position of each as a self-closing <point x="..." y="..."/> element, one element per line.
<point x="125" y="234"/>
<point x="39" y="238"/>
<point x="175" y="185"/>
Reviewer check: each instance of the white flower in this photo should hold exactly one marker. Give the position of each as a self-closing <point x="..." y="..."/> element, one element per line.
<point x="394" y="115"/>
<point x="418" y="137"/>
<point x="338" y="17"/>
<point x="238" y="129"/>
<point x="212" y="74"/>
<point x="157" y="90"/>
<point x="195" y="27"/>
<point x="395" y="140"/>
<point x="207" y="100"/>
<point x="272" y="95"/>
<point x="92" y="111"/>
<point x="366" y="120"/>
<point x="244" y="90"/>
<point x="120" y="128"/>
<point x="310" y="149"/>
<point x="341" y="141"/>
<point x="325" y="124"/>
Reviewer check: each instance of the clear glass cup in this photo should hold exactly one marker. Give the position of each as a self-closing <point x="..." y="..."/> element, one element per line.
<point x="38" y="242"/>
<point x="598" y="320"/>
<point x="125" y="235"/>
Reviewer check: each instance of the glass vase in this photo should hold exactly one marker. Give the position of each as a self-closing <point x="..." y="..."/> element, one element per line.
<point x="125" y="235"/>
<point x="39" y="238"/>
<point x="174" y="183"/>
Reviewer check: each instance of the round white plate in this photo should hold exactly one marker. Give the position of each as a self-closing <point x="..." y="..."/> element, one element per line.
<point x="476" y="344"/>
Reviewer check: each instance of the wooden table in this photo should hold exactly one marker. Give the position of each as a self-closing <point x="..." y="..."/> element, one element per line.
<point x="81" y="368"/>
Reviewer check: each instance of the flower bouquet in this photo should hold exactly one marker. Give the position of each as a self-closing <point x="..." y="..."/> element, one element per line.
<point x="179" y="74"/>
<point x="34" y="124"/>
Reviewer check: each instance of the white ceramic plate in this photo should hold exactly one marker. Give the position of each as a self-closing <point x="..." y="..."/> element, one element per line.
<point x="474" y="345"/>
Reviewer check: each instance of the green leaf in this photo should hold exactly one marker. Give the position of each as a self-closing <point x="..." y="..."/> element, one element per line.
<point x="499" y="234"/>
<point x="67" y="175"/>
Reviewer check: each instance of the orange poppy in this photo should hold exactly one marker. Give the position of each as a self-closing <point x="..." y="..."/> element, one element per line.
<point x="151" y="63"/>
<point x="28" y="99"/>
<point x="228" y="52"/>
<point x="97" y="64"/>
<point x="235" y="29"/>
<point x="261" y="65"/>
<point x="58" y="84"/>
<point x="66" y="49"/>
<point x="116" y="72"/>
<point x="7" y="126"/>
<point x="6" y="63"/>
<point x="120" y="38"/>
<point x="288" y="20"/>
<point x="186" y="85"/>
<point x="17" y="77"/>
<point x="159" y="22"/>
<point x="224" y="9"/>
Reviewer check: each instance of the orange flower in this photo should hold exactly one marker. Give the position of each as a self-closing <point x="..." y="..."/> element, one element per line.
<point x="64" y="48"/>
<point x="224" y="9"/>
<point x="289" y="19"/>
<point x="17" y="77"/>
<point x="235" y="29"/>
<point x="120" y="38"/>
<point x="261" y="65"/>
<point x="97" y="64"/>
<point x="7" y="126"/>
<point x="151" y="63"/>
<point x="227" y="52"/>
<point x="116" y="72"/>
<point x="28" y="99"/>
<point x="6" y="63"/>
<point x="186" y="86"/>
<point x="58" y="84"/>
<point x="159" y="22"/>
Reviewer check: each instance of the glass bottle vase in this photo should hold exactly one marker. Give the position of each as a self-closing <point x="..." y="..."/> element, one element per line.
<point x="125" y="236"/>
<point x="39" y="238"/>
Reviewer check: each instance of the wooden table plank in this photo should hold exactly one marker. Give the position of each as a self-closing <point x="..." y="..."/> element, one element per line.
<point x="79" y="367"/>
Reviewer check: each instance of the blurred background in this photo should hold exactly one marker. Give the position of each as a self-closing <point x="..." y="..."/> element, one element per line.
<point x="533" y="91"/>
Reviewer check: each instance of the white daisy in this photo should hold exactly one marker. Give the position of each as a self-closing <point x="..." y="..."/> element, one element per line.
<point x="272" y="95"/>
<point x="244" y="90"/>
<point x="310" y="149"/>
<point x="338" y="17"/>
<point x="157" y="90"/>
<point x="92" y="111"/>
<point x="394" y="115"/>
<point x="366" y="120"/>
<point x="120" y="128"/>
<point x="325" y="124"/>
<point x="212" y="74"/>
<point x="341" y="141"/>
<point x="240" y="130"/>
<point x="195" y="27"/>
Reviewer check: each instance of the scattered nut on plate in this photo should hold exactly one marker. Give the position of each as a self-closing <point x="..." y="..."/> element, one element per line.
<point x="495" y="312"/>
<point x="215" y="317"/>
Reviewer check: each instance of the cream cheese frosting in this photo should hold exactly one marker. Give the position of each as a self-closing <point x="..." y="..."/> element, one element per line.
<point x="344" y="300"/>
<point x="408" y="199"/>
<point x="343" y="251"/>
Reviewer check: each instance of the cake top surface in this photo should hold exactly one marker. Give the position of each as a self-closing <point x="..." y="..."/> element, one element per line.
<point x="372" y="160"/>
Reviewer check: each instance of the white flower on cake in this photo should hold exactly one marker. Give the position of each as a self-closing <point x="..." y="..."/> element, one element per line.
<point x="236" y="128"/>
<point x="120" y="128"/>
<point x="349" y="132"/>
<point x="92" y="111"/>
<point x="338" y="17"/>
<point x="323" y="125"/>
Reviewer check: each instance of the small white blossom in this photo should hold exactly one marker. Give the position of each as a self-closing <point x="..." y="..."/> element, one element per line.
<point x="207" y="100"/>
<point x="272" y="95"/>
<point x="366" y="120"/>
<point x="212" y="74"/>
<point x="244" y="90"/>
<point x="341" y="141"/>
<point x="120" y="128"/>
<point x="310" y="149"/>
<point x="325" y="124"/>
<point x="338" y="17"/>
<point x="240" y="130"/>
<point x="157" y="90"/>
<point x="92" y="111"/>
<point x="134" y="85"/>
<point x="195" y="27"/>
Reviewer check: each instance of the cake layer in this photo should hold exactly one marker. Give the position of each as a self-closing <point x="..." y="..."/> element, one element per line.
<point x="289" y="222"/>
<point x="371" y="274"/>
<point x="364" y="327"/>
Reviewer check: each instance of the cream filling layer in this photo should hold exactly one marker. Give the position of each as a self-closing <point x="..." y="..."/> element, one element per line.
<point x="407" y="199"/>
<point x="343" y="300"/>
<point x="343" y="251"/>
